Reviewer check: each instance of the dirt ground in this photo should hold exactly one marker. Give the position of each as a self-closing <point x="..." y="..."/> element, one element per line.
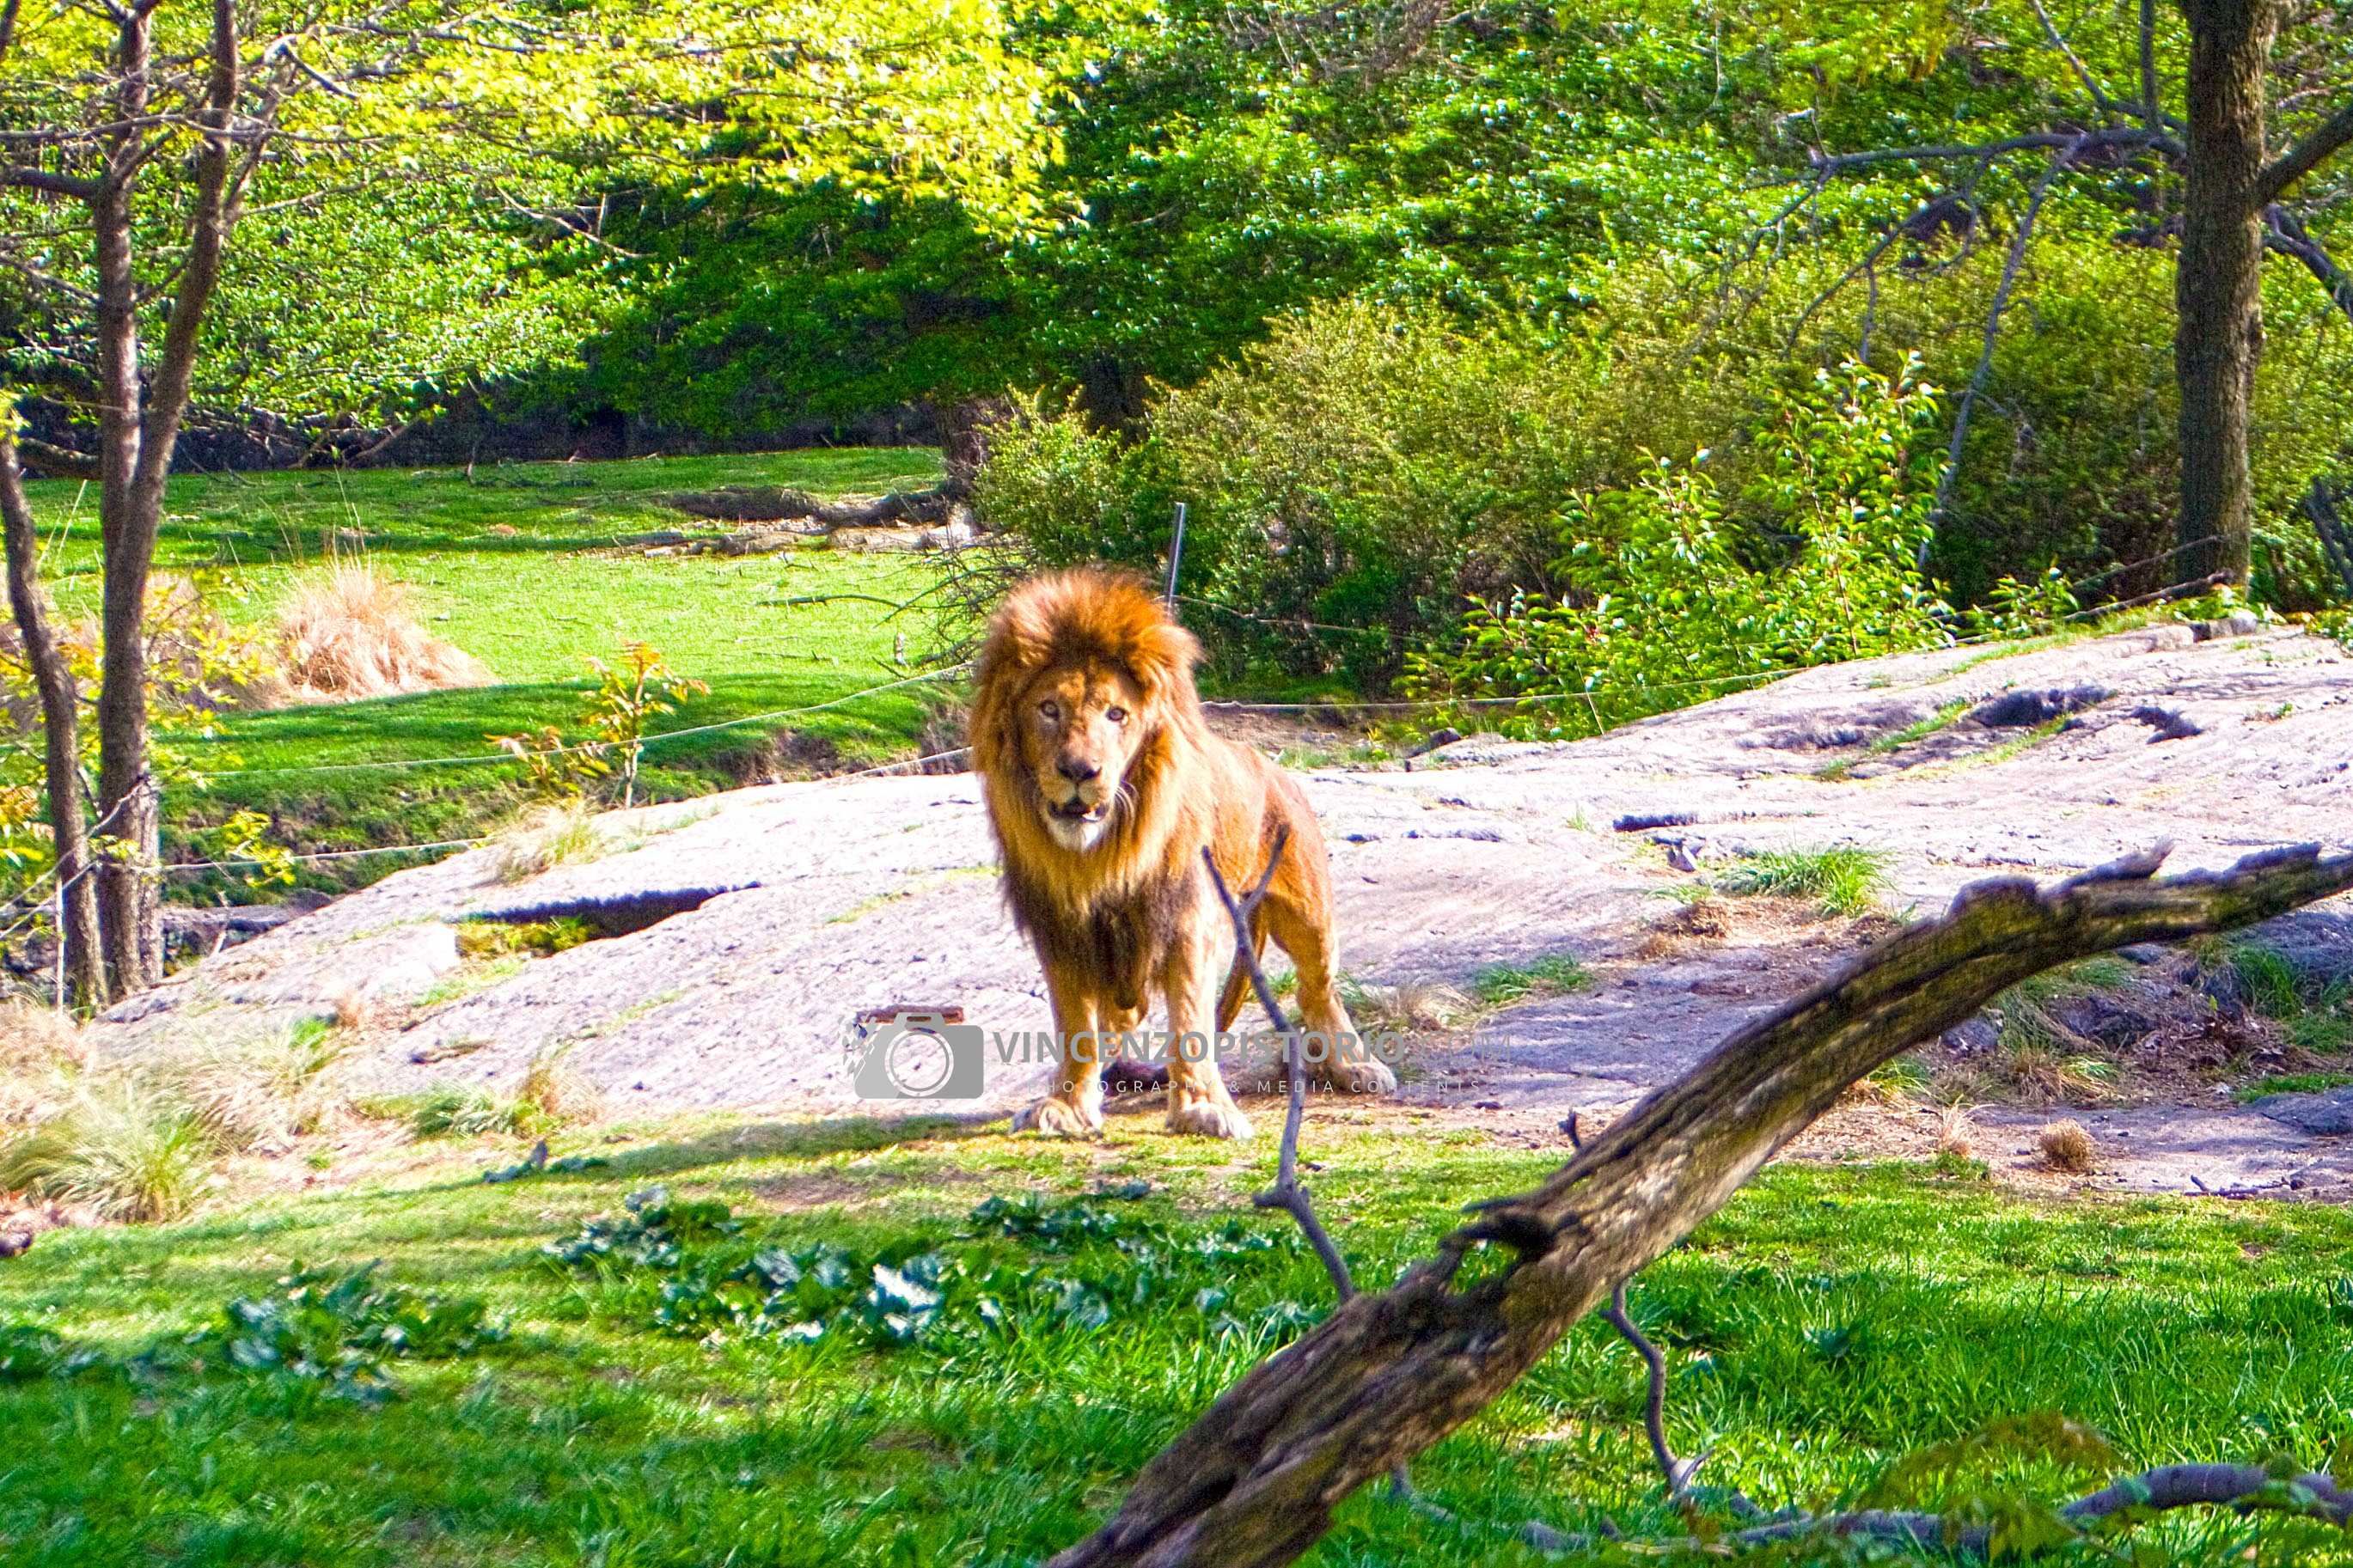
<point x="755" y="928"/>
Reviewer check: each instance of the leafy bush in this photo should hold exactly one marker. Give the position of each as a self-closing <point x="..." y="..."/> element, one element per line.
<point x="685" y="1269"/>
<point x="651" y="1232"/>
<point x="1668" y="601"/>
<point x="339" y="1328"/>
<point x="1347" y="483"/>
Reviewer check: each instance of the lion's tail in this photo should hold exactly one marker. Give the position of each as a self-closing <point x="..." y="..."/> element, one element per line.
<point x="1230" y="1004"/>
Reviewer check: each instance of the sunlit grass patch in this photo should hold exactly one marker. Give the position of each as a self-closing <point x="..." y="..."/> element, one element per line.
<point x="1846" y="880"/>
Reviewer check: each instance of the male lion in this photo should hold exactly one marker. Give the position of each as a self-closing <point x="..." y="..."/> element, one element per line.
<point x="1104" y="785"/>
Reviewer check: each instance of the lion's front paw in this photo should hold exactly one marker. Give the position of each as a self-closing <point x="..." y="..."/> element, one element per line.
<point x="1059" y="1118"/>
<point x="1369" y="1075"/>
<point x="1209" y="1118"/>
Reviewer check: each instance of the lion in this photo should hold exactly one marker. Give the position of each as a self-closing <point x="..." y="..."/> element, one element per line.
<point x="1104" y="785"/>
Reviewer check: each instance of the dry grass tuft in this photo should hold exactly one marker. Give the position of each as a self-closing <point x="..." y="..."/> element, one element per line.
<point x="143" y="1139"/>
<point x="118" y="1145"/>
<point x="1411" y="1007"/>
<point x="546" y="837"/>
<point x="41" y="1052"/>
<point x="354" y="1010"/>
<point x="555" y="1093"/>
<point x="2066" y="1146"/>
<point x="349" y="631"/>
<point x="259" y="1095"/>
<point x="1956" y="1137"/>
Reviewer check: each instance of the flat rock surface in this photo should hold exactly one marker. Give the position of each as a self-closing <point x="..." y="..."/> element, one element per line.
<point x="830" y="898"/>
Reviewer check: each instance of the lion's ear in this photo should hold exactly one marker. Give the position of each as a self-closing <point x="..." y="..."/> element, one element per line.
<point x="1161" y="658"/>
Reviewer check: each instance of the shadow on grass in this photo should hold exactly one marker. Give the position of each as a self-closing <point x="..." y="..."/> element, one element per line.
<point x="788" y="1141"/>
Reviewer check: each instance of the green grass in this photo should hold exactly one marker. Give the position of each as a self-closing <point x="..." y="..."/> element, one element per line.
<point x="530" y="604"/>
<point x="2292" y="1083"/>
<point x="1843" y="879"/>
<point x="1505" y="985"/>
<point x="1944" y="718"/>
<point x="1828" y="1322"/>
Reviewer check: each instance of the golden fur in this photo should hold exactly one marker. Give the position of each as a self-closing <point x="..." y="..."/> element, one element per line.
<point x="1104" y="785"/>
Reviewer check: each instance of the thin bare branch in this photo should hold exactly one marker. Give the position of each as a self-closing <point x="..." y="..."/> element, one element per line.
<point x="1287" y="1194"/>
<point x="2058" y="40"/>
<point x="2303" y="158"/>
<point x="2285" y="235"/>
<point x="2009" y="271"/>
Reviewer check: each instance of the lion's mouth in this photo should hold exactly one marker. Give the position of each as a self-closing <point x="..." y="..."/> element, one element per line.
<point x="1078" y="810"/>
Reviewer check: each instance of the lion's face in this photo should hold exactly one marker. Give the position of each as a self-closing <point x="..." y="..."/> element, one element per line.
<point x="1081" y="725"/>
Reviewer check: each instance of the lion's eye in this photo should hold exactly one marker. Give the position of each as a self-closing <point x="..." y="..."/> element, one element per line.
<point x="1116" y="715"/>
<point x="1050" y="710"/>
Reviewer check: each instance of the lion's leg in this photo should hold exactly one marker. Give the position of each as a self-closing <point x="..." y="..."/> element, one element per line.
<point x="1237" y="992"/>
<point x="1197" y="1101"/>
<point x="1074" y="1108"/>
<point x="1336" y="1054"/>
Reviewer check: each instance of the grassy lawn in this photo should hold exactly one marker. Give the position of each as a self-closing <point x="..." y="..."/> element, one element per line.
<point x="497" y="564"/>
<point x="1827" y="1323"/>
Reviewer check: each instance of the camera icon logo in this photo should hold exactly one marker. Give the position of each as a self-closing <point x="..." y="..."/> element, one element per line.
<point x="920" y="1055"/>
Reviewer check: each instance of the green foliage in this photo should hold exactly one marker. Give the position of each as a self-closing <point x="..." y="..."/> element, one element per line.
<point x="1663" y="605"/>
<point x="1843" y="879"/>
<point x="2016" y="609"/>
<point x="652" y="1232"/>
<point x="1348" y="481"/>
<point x="2177" y="1329"/>
<point x="914" y="1288"/>
<point x="338" y="1329"/>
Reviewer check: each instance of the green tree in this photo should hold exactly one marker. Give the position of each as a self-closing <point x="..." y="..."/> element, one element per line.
<point x="143" y="143"/>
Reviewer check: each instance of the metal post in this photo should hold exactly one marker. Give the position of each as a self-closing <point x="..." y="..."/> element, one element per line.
<point x="1175" y="554"/>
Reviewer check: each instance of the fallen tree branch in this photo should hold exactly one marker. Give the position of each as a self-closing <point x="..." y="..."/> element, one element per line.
<point x="1254" y="1482"/>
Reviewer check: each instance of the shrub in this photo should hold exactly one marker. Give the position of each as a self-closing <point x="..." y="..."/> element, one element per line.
<point x="1670" y="602"/>
<point x="339" y="1329"/>
<point x="350" y="631"/>
<point x="1348" y="481"/>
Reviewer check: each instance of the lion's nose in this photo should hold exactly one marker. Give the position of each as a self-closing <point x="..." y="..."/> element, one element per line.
<point x="1078" y="770"/>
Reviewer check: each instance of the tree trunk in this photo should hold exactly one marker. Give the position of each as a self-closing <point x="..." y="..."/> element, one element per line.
<point x="85" y="975"/>
<point x="1253" y="1482"/>
<point x="138" y="430"/>
<point x="2218" y="335"/>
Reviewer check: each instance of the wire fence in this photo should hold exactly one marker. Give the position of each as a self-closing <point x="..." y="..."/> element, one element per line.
<point x="34" y="906"/>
